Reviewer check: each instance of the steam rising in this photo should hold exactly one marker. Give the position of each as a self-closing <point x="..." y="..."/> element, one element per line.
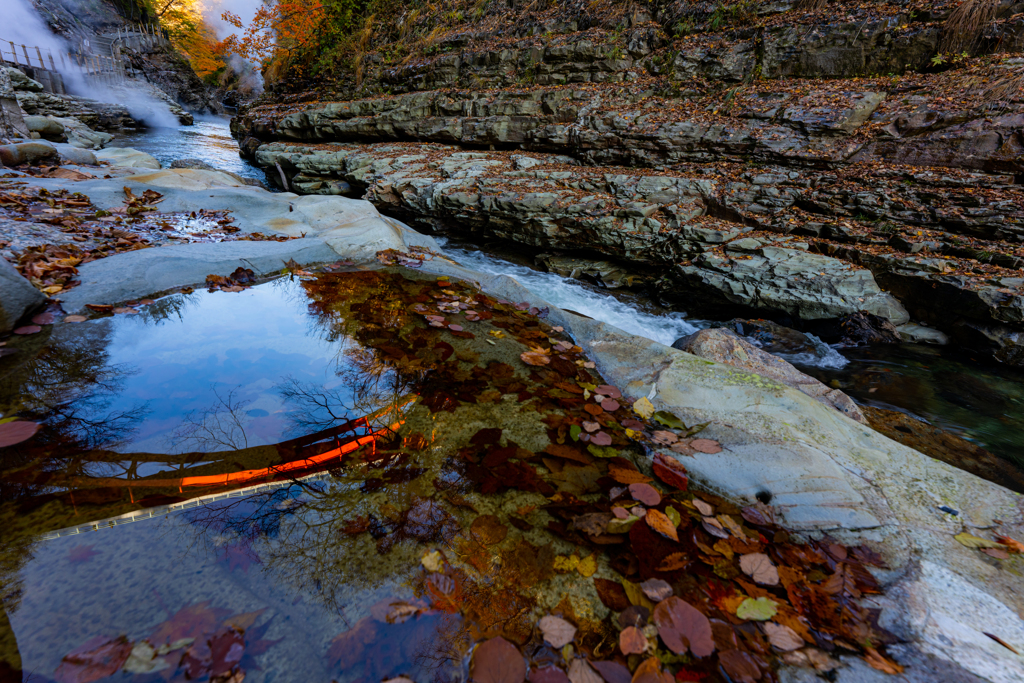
<point x="23" y="25"/>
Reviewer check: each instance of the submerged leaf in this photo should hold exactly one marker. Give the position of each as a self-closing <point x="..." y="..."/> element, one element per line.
<point x="758" y="567"/>
<point x="632" y="641"/>
<point x="557" y="631"/>
<point x="643" y="408"/>
<point x="783" y="637"/>
<point x="662" y="524"/>
<point x="16" y="432"/>
<point x="761" y="609"/>
<point x="682" y="627"/>
<point x="580" y="672"/>
<point x="656" y="589"/>
<point x="645" y="493"/>
<point x="497" y="661"/>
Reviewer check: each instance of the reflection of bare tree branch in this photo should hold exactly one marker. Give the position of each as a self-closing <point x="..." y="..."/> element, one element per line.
<point x="220" y="427"/>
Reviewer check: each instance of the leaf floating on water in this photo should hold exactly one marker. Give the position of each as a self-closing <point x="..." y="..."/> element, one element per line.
<point x="75" y="319"/>
<point x="557" y="631"/>
<point x="656" y="589"/>
<point x="760" y="568"/>
<point x="644" y="408"/>
<point x="632" y="641"/>
<point x="783" y="637"/>
<point x="488" y="529"/>
<point x="760" y="609"/>
<point x="683" y="627"/>
<point x="972" y="541"/>
<point x="645" y="493"/>
<point x="664" y="437"/>
<point x="497" y="661"/>
<point x="580" y="672"/>
<point x="660" y="522"/>
<point x="668" y="419"/>
<point x="94" y="659"/>
<point x="16" y="432"/>
<point x="610" y="405"/>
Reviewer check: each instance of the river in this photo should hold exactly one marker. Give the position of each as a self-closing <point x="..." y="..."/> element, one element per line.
<point x="978" y="401"/>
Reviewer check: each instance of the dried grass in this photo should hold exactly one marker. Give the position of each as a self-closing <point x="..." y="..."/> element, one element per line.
<point x="965" y="24"/>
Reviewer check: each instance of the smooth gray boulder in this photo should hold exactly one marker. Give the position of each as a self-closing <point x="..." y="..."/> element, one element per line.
<point x="128" y="158"/>
<point x="80" y="135"/>
<point x="921" y="334"/>
<point x="22" y="82"/>
<point x="27" y="153"/>
<point x="17" y="296"/>
<point x="47" y="127"/>
<point x="725" y="346"/>
<point x="70" y="154"/>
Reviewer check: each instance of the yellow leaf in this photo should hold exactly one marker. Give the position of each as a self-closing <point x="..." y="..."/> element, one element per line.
<point x="52" y="289"/>
<point x="972" y="541"/>
<point x="587" y="567"/>
<point x="643" y="408"/>
<point x="433" y="562"/>
<point x="635" y="594"/>
<point x="566" y="563"/>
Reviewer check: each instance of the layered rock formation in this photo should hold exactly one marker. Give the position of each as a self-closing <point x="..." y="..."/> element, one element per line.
<point x="757" y="162"/>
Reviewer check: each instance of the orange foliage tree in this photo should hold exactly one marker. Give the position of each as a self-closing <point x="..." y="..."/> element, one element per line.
<point x="191" y="35"/>
<point x="284" y="27"/>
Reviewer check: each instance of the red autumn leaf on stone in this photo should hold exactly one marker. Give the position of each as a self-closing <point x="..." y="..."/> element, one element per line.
<point x="601" y="439"/>
<point x="682" y="627"/>
<point x="96" y="658"/>
<point x="16" y="432"/>
<point x="47" y="318"/>
<point x="645" y="493"/>
<point x="497" y="661"/>
<point x="668" y="470"/>
<point x="28" y="329"/>
<point x="632" y="641"/>
<point x="609" y="390"/>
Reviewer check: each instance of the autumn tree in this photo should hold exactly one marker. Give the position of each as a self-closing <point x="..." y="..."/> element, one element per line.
<point x="277" y="30"/>
<point x="190" y="34"/>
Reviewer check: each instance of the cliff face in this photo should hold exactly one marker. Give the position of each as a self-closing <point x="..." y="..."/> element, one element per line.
<point x="761" y="157"/>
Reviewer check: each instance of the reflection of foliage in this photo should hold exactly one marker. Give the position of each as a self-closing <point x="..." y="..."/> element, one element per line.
<point x="220" y="427"/>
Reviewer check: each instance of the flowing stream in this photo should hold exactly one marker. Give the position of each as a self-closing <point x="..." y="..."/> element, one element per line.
<point x="980" y="402"/>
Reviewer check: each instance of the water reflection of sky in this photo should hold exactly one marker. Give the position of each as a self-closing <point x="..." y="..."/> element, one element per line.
<point x="245" y="342"/>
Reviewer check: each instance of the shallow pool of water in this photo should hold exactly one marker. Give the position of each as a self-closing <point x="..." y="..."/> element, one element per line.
<point x="209" y="140"/>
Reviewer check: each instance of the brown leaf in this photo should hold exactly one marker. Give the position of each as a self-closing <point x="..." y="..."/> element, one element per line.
<point x="632" y="641"/>
<point x="97" y="658"/>
<point x="877" y="660"/>
<point x="488" y="529"/>
<point x="594" y="523"/>
<point x="557" y="631"/>
<point x="612" y="671"/>
<point x="660" y="522"/>
<point x="612" y="594"/>
<point x="626" y="476"/>
<point x="497" y="661"/>
<point x="782" y="637"/>
<point x="741" y="666"/>
<point x="760" y="568"/>
<point x="1013" y="545"/>
<point x="656" y="589"/>
<point x="75" y="319"/>
<point x="536" y="356"/>
<point x="702" y="507"/>
<point x="645" y="493"/>
<point x="580" y="672"/>
<point x="673" y="562"/>
<point x="706" y="446"/>
<point x="549" y="674"/>
<point x="650" y="671"/>
<point x="682" y="627"/>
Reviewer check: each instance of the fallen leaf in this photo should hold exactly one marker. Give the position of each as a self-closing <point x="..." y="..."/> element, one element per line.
<point x="972" y="541"/>
<point x="497" y="661"/>
<point x="610" y="405"/>
<point x="702" y="507"/>
<point x="632" y="641"/>
<point x="557" y="631"/>
<point x="601" y="439"/>
<point x="760" y="609"/>
<point x="75" y="319"/>
<point x="548" y="674"/>
<point x="580" y="672"/>
<point x="1013" y="545"/>
<point x="27" y="329"/>
<point x="488" y="529"/>
<point x="643" y="408"/>
<point x="783" y="637"/>
<point x="609" y="390"/>
<point x="97" y="658"/>
<point x="656" y="589"/>
<point x="682" y="627"/>
<point x="660" y="522"/>
<point x="760" y="568"/>
<point x="612" y="594"/>
<point x="645" y="493"/>
<point x="665" y="438"/>
<point x="876" y="660"/>
<point x="612" y="671"/>
<point x="16" y="432"/>
<point x="587" y="566"/>
<point x="673" y="562"/>
<point x="706" y="446"/>
<point x="741" y="666"/>
<point x="433" y="561"/>
<point x="669" y="471"/>
<point x="650" y="671"/>
<point x="536" y="356"/>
